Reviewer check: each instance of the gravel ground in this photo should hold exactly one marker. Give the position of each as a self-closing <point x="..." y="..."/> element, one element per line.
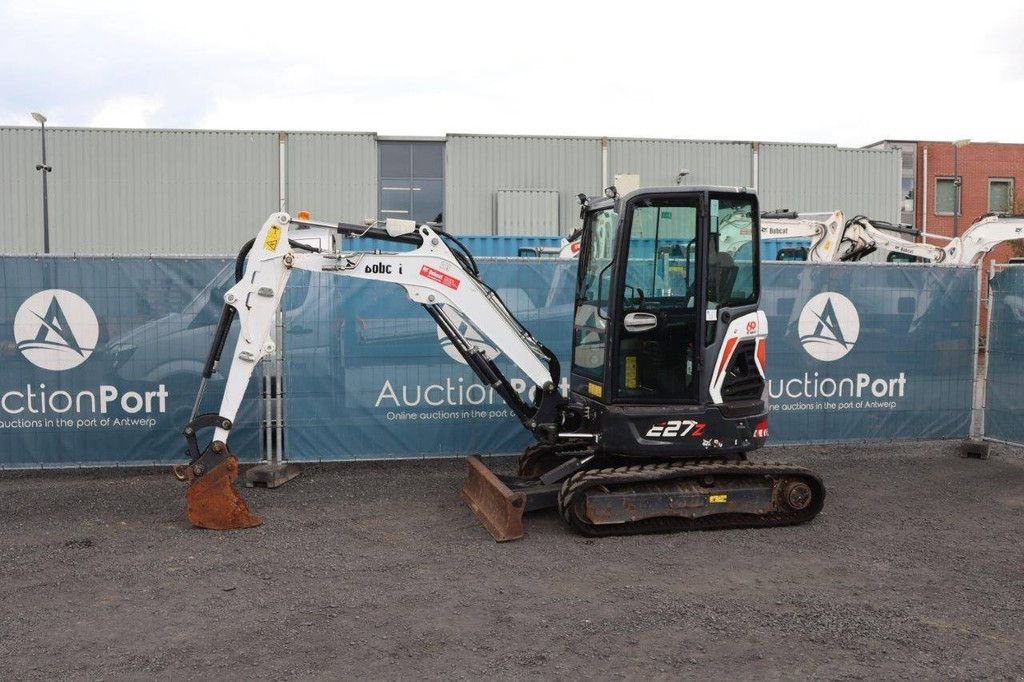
<point x="914" y="569"/>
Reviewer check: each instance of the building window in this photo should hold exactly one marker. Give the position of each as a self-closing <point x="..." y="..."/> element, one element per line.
<point x="946" y="197"/>
<point x="1000" y="195"/>
<point x="411" y="181"/>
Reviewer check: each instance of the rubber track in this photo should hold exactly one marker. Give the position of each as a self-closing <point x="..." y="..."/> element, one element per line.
<point x="580" y="482"/>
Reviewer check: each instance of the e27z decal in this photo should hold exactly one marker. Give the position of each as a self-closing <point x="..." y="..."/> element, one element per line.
<point x="676" y="428"/>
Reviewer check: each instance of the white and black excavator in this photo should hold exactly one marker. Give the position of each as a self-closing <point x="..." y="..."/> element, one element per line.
<point x="667" y="377"/>
<point x="861" y="239"/>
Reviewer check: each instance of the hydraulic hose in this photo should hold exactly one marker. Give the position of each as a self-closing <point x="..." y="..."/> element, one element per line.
<point x="240" y="259"/>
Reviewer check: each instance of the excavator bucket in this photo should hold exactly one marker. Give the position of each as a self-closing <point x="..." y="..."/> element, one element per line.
<point x="213" y="501"/>
<point x="496" y="507"/>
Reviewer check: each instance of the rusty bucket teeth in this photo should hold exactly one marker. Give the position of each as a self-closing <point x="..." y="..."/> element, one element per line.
<point x="213" y="501"/>
<point x="496" y="507"/>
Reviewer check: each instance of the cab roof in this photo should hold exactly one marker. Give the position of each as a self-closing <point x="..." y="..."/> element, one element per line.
<point x="602" y="202"/>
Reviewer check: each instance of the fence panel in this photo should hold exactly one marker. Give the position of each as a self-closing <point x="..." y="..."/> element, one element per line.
<point x="369" y="375"/>
<point x="1004" y="394"/>
<point x="861" y="352"/>
<point x="892" y="359"/>
<point x="100" y="358"/>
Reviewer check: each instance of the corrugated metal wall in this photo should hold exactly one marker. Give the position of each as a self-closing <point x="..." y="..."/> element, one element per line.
<point x="658" y="162"/>
<point x="527" y="211"/>
<point x="332" y="175"/>
<point x="147" y="191"/>
<point x="824" y="178"/>
<point x="143" y="191"/>
<point x="477" y="166"/>
<point x="21" y="190"/>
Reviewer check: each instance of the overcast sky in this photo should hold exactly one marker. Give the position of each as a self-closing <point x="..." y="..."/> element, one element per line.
<point x="848" y="73"/>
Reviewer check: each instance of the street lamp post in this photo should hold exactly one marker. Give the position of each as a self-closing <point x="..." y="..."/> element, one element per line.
<point x="957" y="184"/>
<point x="46" y="171"/>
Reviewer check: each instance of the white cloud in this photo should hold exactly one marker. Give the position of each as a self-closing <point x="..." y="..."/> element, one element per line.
<point x="133" y="111"/>
<point x="788" y="70"/>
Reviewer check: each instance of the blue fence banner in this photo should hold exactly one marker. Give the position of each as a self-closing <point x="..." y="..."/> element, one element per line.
<point x="860" y="352"/>
<point x="855" y="353"/>
<point x="369" y="375"/>
<point x="1004" y="390"/>
<point x="101" y="357"/>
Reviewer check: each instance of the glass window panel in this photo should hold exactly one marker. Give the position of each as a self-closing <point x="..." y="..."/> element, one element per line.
<point x="395" y="195"/>
<point x="428" y="160"/>
<point x="999" y="196"/>
<point x="590" y="326"/>
<point x="427" y="200"/>
<point x="395" y="160"/>
<point x="945" y="196"/>
<point x="732" y="278"/>
<point x="662" y="248"/>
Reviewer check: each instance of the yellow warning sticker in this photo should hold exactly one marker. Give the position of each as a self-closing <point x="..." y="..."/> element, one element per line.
<point x="595" y="389"/>
<point x="273" y="237"/>
<point x="630" y="371"/>
<point x="717" y="499"/>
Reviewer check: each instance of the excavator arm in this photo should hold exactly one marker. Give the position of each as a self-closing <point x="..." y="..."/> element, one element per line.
<point x="834" y="239"/>
<point x="988" y="232"/>
<point x="862" y="236"/>
<point x="439" y="277"/>
<point x="823" y="229"/>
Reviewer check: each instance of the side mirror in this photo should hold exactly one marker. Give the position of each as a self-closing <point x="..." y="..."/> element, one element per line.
<point x="640" y="322"/>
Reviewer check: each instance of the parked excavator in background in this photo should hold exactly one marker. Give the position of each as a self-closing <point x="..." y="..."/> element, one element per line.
<point x="861" y="239"/>
<point x="667" y="379"/>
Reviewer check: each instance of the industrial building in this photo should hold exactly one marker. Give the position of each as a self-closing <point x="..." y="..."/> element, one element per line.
<point x="197" y="191"/>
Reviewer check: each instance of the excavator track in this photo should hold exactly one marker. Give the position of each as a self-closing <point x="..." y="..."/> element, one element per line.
<point x="680" y="496"/>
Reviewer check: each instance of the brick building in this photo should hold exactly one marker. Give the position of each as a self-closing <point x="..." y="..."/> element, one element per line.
<point x="990" y="174"/>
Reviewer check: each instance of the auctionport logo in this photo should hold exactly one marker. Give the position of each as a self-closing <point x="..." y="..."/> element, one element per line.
<point x="56" y="329"/>
<point x="829" y="326"/>
<point x="472" y="336"/>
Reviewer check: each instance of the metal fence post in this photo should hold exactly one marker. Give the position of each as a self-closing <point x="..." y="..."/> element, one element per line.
<point x="988" y="348"/>
<point x="273" y="470"/>
<point x="279" y="452"/>
<point x="975" y="446"/>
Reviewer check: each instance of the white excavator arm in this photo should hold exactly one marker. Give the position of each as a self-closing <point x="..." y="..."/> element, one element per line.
<point x="823" y="229"/>
<point x="432" y="274"/>
<point x="985" y="234"/>
<point x="862" y="236"/>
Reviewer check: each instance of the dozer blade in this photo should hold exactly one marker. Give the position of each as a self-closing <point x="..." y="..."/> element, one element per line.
<point x="496" y="507"/>
<point x="213" y="501"/>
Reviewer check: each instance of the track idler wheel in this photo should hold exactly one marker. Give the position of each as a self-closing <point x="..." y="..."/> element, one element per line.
<point x="797" y="495"/>
<point x="213" y="502"/>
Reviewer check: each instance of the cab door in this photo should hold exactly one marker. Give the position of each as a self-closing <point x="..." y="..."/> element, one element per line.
<point x="655" y="357"/>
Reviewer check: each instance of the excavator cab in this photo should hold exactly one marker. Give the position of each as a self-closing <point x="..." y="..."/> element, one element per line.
<point x="666" y="324"/>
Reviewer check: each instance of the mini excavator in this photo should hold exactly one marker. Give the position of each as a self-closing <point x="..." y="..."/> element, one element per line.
<point x="667" y="376"/>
